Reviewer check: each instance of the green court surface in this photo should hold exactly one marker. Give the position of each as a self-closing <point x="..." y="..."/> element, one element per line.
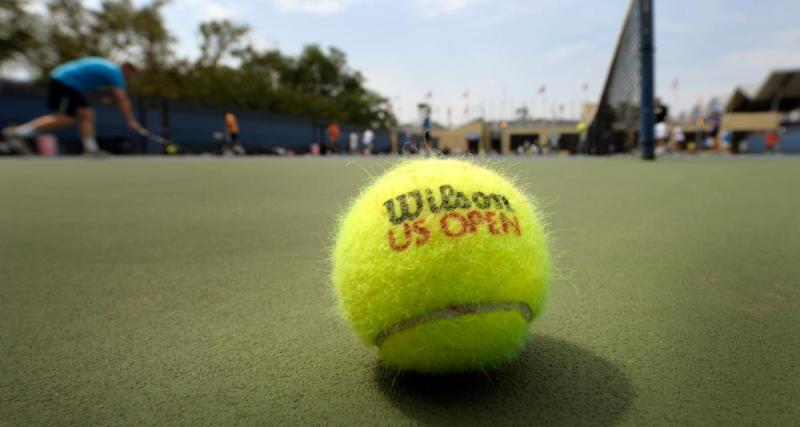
<point x="196" y="291"/>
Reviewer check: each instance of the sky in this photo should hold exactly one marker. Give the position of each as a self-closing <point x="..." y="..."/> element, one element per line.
<point x="501" y="52"/>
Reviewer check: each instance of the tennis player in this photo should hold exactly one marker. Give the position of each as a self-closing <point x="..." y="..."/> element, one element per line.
<point x="66" y="100"/>
<point x="232" y="131"/>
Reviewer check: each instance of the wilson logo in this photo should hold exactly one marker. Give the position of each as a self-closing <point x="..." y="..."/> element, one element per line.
<point x="455" y="213"/>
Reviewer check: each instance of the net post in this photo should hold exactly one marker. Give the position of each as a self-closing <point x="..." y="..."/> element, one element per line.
<point x="647" y="108"/>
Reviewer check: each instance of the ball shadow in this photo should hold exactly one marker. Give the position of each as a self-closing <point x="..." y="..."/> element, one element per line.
<point x="552" y="382"/>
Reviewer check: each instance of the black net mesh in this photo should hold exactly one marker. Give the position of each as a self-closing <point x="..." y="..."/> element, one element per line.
<point x="617" y="119"/>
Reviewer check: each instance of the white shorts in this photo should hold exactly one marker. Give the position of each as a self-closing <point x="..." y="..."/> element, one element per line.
<point x="662" y="131"/>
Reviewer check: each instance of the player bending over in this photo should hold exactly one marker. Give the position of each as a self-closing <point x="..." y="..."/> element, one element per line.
<point x="66" y="99"/>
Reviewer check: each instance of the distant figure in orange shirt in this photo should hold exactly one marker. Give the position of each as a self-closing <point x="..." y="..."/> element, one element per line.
<point x="334" y="133"/>
<point x="772" y="139"/>
<point x="232" y="145"/>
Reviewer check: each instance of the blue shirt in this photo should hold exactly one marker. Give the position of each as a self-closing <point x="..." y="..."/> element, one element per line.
<point x="89" y="74"/>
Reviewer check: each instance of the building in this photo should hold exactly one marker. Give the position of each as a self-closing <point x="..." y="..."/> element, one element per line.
<point x="773" y="110"/>
<point x="506" y="137"/>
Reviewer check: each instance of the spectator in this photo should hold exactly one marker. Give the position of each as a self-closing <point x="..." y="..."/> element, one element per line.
<point x="661" y="111"/>
<point x="661" y="129"/>
<point x="552" y="144"/>
<point x="679" y="139"/>
<point x="368" y="140"/>
<point x="772" y="139"/>
<point x="334" y="133"/>
<point x="662" y="136"/>
<point x="728" y="144"/>
<point x="410" y="147"/>
<point x="426" y="121"/>
<point x="353" y="142"/>
<point x="714" y="119"/>
<point x="426" y="125"/>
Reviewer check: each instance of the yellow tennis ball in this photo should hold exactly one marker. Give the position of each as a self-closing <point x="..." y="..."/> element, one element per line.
<point x="441" y="264"/>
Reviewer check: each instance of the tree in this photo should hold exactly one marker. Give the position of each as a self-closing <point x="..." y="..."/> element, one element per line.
<point x="118" y="30"/>
<point x="153" y="36"/>
<point x="17" y="36"/>
<point x="69" y="35"/>
<point x="230" y="71"/>
<point x="220" y="40"/>
<point x="124" y="31"/>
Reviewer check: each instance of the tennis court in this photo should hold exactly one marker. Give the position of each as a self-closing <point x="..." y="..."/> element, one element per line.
<point x="196" y="291"/>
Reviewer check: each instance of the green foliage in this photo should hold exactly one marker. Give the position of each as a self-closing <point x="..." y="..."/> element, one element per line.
<point x="220" y="39"/>
<point x="118" y="30"/>
<point x="229" y="71"/>
<point x="17" y="34"/>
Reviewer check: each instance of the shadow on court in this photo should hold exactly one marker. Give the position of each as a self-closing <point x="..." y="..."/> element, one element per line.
<point x="552" y="382"/>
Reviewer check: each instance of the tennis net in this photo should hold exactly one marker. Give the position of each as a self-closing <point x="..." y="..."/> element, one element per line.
<point x="627" y="97"/>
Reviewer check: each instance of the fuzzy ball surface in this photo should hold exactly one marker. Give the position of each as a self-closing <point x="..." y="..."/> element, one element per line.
<point x="441" y="264"/>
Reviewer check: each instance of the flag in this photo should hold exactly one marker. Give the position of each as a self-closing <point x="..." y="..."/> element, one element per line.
<point x="465" y="94"/>
<point x="585" y="87"/>
<point x="429" y="95"/>
<point x="542" y="90"/>
<point x="675" y="84"/>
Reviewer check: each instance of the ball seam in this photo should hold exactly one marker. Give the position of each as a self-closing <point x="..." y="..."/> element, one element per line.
<point x="454" y="311"/>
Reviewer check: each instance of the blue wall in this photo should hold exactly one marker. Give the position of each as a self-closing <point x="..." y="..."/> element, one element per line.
<point x="190" y="125"/>
<point x="790" y="141"/>
<point x="756" y="143"/>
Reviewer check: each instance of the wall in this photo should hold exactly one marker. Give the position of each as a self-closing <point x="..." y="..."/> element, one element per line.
<point x="543" y="133"/>
<point x="190" y="125"/>
<point x="456" y="140"/>
<point x="735" y="122"/>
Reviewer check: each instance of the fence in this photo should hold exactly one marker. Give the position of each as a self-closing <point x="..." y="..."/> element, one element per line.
<point x="192" y="126"/>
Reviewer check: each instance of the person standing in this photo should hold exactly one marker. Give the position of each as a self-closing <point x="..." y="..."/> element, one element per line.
<point x="368" y="140"/>
<point x="772" y="138"/>
<point x="66" y="100"/>
<point x="232" y="144"/>
<point x="426" y="126"/>
<point x="334" y="134"/>
<point x="714" y="120"/>
<point x="679" y="139"/>
<point x="353" y="142"/>
<point x="661" y="128"/>
<point x="661" y="111"/>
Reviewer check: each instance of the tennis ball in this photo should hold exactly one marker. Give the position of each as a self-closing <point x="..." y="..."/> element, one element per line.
<point x="441" y="264"/>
